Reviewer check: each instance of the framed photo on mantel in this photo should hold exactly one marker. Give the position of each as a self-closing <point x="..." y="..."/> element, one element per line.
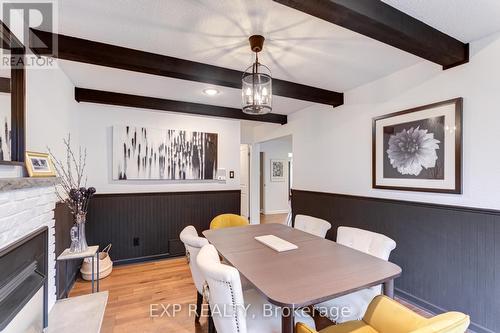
<point x="419" y="149"/>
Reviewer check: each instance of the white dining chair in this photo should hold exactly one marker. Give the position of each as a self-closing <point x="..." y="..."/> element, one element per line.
<point x="312" y="225"/>
<point x="231" y="306"/>
<point x="355" y="304"/>
<point x="193" y="244"/>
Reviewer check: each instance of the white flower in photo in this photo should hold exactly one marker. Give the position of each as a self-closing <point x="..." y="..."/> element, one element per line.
<point x="411" y="150"/>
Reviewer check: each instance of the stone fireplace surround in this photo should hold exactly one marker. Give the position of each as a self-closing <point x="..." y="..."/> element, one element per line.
<point x="26" y="204"/>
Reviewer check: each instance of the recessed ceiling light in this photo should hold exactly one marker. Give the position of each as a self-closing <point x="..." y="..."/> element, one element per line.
<point x="211" y="91"/>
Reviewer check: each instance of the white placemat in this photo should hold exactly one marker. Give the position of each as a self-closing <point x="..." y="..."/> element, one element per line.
<point x="276" y="243"/>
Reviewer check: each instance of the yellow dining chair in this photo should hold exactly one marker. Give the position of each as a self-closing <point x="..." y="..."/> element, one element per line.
<point x="385" y="315"/>
<point x="228" y="221"/>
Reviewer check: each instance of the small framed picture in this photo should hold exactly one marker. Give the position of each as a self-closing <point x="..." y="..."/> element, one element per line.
<point x="419" y="149"/>
<point x="277" y="170"/>
<point x="39" y="165"/>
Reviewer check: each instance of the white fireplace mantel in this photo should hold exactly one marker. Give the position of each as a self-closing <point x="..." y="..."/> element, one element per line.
<point x="12" y="184"/>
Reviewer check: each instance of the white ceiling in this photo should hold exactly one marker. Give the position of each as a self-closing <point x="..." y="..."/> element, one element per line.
<point x="298" y="47"/>
<point x="466" y="20"/>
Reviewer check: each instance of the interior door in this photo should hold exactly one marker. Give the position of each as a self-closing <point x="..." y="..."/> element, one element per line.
<point x="245" y="180"/>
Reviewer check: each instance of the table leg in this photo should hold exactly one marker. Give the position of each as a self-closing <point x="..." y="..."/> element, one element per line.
<point x="389" y="288"/>
<point x="211" y="324"/>
<point x="66" y="274"/>
<point x="287" y="320"/>
<point x="97" y="258"/>
<point x="93" y="257"/>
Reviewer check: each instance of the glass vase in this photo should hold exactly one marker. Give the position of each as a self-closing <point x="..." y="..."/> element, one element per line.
<point x="77" y="233"/>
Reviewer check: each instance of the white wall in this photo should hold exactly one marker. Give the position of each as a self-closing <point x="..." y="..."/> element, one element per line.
<point x="246" y="131"/>
<point x="276" y="193"/>
<point x="95" y="124"/>
<point x="50" y="111"/>
<point x="332" y="147"/>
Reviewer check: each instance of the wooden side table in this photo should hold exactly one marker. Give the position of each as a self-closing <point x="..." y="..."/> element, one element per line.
<point x="92" y="252"/>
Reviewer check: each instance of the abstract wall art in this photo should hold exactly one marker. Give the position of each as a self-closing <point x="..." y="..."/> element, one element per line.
<point x="419" y="149"/>
<point x="141" y="153"/>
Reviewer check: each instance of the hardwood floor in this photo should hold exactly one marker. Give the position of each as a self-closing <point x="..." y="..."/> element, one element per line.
<point x="134" y="288"/>
<point x="273" y="218"/>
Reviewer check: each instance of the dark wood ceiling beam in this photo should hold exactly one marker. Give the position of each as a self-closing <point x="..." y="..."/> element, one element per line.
<point x="96" y="53"/>
<point x="152" y="103"/>
<point x="5" y="84"/>
<point x="379" y="21"/>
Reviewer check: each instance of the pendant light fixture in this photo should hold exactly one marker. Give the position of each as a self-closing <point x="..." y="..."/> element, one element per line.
<point x="256" y="93"/>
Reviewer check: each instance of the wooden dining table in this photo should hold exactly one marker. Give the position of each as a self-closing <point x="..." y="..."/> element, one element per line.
<point x="317" y="271"/>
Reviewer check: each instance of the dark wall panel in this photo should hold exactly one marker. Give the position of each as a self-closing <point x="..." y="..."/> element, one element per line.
<point x="66" y="271"/>
<point x="450" y="256"/>
<point x="145" y="226"/>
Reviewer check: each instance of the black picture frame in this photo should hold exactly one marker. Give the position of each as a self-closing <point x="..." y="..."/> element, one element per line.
<point x="17" y="88"/>
<point x="458" y="103"/>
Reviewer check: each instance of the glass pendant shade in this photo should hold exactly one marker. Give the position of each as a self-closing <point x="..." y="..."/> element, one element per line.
<point x="257" y="89"/>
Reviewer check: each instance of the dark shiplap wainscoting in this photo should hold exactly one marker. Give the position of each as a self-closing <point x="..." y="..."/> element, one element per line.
<point x="66" y="271"/>
<point x="146" y="226"/>
<point x="450" y="255"/>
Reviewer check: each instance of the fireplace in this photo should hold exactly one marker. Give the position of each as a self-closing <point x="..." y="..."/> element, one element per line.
<point x="23" y="283"/>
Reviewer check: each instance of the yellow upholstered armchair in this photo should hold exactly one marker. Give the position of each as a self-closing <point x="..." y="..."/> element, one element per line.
<point x="227" y="221"/>
<point x="385" y="315"/>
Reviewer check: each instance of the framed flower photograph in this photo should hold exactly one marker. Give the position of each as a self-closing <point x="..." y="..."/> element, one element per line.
<point x="277" y="170"/>
<point x="419" y="149"/>
<point x="39" y="165"/>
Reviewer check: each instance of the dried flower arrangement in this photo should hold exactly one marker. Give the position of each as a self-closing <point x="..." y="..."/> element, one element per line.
<point x="73" y="192"/>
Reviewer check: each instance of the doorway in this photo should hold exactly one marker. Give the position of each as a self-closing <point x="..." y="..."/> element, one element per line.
<point x="275" y="168"/>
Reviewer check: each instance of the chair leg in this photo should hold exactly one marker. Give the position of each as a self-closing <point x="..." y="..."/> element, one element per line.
<point x="321" y="321"/>
<point x="211" y="325"/>
<point x="199" y="303"/>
